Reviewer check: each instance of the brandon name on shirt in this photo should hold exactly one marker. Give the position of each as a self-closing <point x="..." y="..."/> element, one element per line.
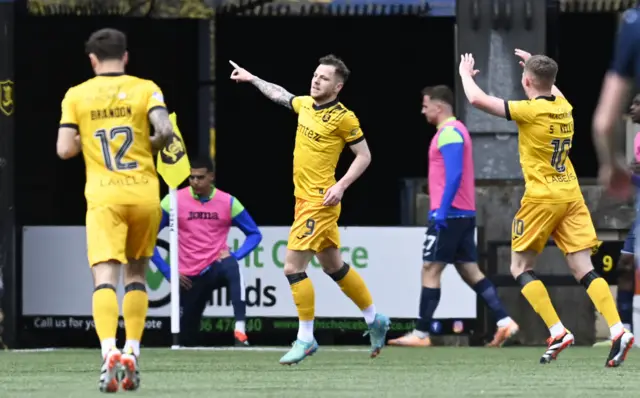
<point x="111" y="113"/>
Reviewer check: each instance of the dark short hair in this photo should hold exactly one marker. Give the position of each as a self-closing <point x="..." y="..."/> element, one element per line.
<point x="107" y="44"/>
<point x="204" y="163"/>
<point x="439" y="93"/>
<point x="341" y="69"/>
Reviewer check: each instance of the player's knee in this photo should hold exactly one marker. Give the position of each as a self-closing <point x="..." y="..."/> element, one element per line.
<point x="106" y="273"/>
<point x="580" y="263"/>
<point x="296" y="261"/>
<point x="135" y="287"/>
<point x="432" y="270"/>
<point x="521" y="262"/>
<point x="470" y="272"/>
<point x="136" y="271"/>
<point x="338" y="274"/>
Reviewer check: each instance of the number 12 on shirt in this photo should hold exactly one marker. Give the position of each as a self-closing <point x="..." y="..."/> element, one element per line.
<point x="112" y="162"/>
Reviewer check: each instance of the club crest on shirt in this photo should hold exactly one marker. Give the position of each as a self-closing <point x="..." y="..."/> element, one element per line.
<point x="173" y="151"/>
<point x="6" y="97"/>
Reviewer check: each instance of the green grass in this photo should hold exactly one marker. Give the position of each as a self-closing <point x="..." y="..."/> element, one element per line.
<point x="332" y="372"/>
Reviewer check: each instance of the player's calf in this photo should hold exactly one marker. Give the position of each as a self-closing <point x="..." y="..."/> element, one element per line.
<point x="600" y="294"/>
<point x="538" y="297"/>
<point x="506" y="327"/>
<point x="135" y="304"/>
<point x="429" y="300"/>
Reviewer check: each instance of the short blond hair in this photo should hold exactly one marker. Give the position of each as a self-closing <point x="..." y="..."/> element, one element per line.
<point x="543" y="69"/>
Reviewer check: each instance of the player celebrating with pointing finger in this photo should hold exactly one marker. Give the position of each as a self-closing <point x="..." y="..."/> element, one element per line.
<point x="325" y="126"/>
<point x="552" y="205"/>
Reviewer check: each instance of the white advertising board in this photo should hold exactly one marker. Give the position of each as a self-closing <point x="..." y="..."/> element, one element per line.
<point x="56" y="278"/>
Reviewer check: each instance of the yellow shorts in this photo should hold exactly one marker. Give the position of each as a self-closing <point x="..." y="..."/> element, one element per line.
<point x="569" y="224"/>
<point x="121" y="232"/>
<point x="315" y="227"/>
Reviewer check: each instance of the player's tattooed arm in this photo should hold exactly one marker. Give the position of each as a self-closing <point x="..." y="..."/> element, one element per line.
<point x="159" y="119"/>
<point x="274" y="92"/>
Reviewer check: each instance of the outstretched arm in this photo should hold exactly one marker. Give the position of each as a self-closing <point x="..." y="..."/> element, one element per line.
<point x="474" y="93"/>
<point x="481" y="100"/>
<point x="272" y="91"/>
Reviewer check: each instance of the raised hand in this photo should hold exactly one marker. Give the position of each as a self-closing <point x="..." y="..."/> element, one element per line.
<point x="524" y="56"/>
<point x="240" y="74"/>
<point x="466" y="65"/>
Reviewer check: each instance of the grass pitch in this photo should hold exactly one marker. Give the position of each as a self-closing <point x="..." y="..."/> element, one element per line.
<point x="333" y="372"/>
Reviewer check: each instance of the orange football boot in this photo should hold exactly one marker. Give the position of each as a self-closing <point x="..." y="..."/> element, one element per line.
<point x="503" y="334"/>
<point x="411" y="339"/>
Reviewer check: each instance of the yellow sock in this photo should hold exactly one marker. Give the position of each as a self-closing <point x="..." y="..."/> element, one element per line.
<point x="134" y="311"/>
<point x="353" y="286"/>
<point x="303" y="295"/>
<point x="603" y="300"/>
<point x="537" y="295"/>
<point x="105" y="314"/>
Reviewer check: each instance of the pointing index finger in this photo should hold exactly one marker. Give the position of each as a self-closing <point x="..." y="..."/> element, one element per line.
<point x="234" y="64"/>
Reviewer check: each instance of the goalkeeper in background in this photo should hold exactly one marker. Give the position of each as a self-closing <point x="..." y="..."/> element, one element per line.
<point x="205" y="216"/>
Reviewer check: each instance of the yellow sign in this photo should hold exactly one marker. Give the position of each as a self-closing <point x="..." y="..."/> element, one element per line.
<point x="173" y="163"/>
<point x="6" y="97"/>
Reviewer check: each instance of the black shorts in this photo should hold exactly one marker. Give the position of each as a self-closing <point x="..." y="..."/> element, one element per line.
<point x="454" y="244"/>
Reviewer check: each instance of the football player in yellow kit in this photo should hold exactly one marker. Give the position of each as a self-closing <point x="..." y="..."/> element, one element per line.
<point x="552" y="205"/>
<point x="325" y="126"/>
<point x="108" y="118"/>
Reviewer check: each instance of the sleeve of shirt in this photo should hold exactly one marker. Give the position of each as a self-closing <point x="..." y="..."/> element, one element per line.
<point x="519" y="111"/>
<point x="160" y="264"/>
<point x="349" y="129"/>
<point x="296" y="102"/>
<point x="451" y="146"/>
<point x="166" y="204"/>
<point x="156" y="99"/>
<point x="626" y="47"/>
<point x="245" y="223"/>
<point x="69" y="117"/>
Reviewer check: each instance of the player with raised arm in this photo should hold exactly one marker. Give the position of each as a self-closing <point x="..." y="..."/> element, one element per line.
<point x="552" y="205"/>
<point x="325" y="126"/>
<point x="108" y="118"/>
<point x="450" y="236"/>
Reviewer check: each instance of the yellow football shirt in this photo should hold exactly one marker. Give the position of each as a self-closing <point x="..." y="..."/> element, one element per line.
<point x="111" y="114"/>
<point x="545" y="134"/>
<point x="322" y="133"/>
